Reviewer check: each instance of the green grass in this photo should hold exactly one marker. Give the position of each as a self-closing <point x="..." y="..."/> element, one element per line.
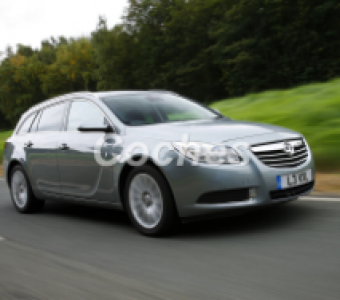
<point x="4" y="135"/>
<point x="313" y="110"/>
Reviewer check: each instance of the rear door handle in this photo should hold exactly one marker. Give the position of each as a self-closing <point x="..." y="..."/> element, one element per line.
<point x="29" y="144"/>
<point x="64" y="147"/>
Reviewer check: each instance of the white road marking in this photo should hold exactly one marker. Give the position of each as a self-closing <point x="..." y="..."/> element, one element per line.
<point x="1" y="239"/>
<point x="319" y="199"/>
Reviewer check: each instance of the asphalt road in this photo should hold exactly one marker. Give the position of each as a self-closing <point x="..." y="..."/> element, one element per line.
<point x="77" y="252"/>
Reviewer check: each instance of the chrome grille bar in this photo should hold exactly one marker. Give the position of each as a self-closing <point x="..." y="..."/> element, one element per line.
<point x="285" y="158"/>
<point x="289" y="164"/>
<point x="283" y="154"/>
<point x="304" y="150"/>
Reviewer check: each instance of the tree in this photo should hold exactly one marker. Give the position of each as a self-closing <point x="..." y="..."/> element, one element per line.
<point x="264" y="44"/>
<point x="116" y="57"/>
<point x="19" y="85"/>
<point x="204" y="49"/>
<point x="72" y="69"/>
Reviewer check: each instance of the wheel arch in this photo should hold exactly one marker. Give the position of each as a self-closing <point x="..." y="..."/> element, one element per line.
<point x="11" y="165"/>
<point x="127" y="169"/>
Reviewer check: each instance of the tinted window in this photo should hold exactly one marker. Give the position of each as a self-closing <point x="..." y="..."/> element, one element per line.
<point x="26" y="125"/>
<point x="156" y="108"/>
<point x="83" y="113"/>
<point x="52" y="117"/>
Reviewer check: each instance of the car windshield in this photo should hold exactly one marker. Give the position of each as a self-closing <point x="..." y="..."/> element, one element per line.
<point x="153" y="108"/>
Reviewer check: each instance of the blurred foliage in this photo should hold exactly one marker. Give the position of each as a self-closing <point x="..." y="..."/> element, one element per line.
<point x="30" y="76"/>
<point x="115" y="58"/>
<point x="311" y="109"/>
<point x="3" y="137"/>
<point x="4" y="123"/>
<point x="71" y="70"/>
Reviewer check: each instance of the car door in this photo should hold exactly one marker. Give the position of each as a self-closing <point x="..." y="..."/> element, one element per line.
<point x="81" y="176"/>
<point x="42" y="148"/>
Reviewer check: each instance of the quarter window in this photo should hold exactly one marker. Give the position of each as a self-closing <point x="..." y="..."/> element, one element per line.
<point x="52" y="118"/>
<point x="83" y="113"/>
<point x="26" y="125"/>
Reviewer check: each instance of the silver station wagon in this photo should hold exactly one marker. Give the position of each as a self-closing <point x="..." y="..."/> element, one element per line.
<point x="157" y="155"/>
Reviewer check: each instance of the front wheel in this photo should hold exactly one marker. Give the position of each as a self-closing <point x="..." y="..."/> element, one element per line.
<point x="149" y="202"/>
<point x="21" y="192"/>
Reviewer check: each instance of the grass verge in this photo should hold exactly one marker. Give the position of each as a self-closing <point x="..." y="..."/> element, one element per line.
<point x="4" y="135"/>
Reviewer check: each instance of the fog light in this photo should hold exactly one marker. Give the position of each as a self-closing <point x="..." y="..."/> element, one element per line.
<point x="252" y="193"/>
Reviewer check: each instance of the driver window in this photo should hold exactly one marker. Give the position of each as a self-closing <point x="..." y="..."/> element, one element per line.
<point x="84" y="113"/>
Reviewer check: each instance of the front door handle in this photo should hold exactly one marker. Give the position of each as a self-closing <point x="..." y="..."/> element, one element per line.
<point x="64" y="147"/>
<point x="29" y="144"/>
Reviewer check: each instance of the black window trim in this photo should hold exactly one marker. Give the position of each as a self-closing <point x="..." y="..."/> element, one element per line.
<point x="63" y="101"/>
<point x="23" y="122"/>
<point x="38" y="120"/>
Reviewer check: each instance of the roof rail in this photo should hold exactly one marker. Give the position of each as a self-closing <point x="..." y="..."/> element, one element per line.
<point x="56" y="98"/>
<point x="163" y="91"/>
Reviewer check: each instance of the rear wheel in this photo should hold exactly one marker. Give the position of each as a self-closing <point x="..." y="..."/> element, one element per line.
<point x="21" y="192"/>
<point x="149" y="202"/>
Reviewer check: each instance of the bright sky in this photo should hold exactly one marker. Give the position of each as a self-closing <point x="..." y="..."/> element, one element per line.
<point x="29" y="22"/>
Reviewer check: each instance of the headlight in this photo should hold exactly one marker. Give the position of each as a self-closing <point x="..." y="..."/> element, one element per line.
<point x="207" y="153"/>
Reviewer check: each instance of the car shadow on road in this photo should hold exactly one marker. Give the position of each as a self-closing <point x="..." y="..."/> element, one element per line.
<point x="277" y="218"/>
<point x="99" y="214"/>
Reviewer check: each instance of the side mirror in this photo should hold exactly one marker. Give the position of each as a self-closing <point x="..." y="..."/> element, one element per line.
<point x="107" y="129"/>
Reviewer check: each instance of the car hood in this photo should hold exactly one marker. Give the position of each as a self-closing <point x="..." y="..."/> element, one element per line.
<point x="209" y="131"/>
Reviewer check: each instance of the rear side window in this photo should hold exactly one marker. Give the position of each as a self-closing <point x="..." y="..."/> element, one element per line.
<point x="52" y="118"/>
<point x="26" y="125"/>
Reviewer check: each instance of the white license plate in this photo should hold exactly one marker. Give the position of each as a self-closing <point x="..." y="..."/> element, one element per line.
<point x="292" y="180"/>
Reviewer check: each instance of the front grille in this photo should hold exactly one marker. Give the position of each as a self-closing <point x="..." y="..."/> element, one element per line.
<point x="224" y="196"/>
<point x="295" y="191"/>
<point x="285" y="154"/>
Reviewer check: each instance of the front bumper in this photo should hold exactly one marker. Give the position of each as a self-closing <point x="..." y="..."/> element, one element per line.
<point x="189" y="183"/>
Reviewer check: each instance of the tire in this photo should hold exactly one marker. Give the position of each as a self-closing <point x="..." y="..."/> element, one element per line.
<point x="21" y="192"/>
<point x="149" y="202"/>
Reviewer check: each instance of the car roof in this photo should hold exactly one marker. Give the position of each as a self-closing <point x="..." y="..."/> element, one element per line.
<point x="97" y="95"/>
<point x="117" y="93"/>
